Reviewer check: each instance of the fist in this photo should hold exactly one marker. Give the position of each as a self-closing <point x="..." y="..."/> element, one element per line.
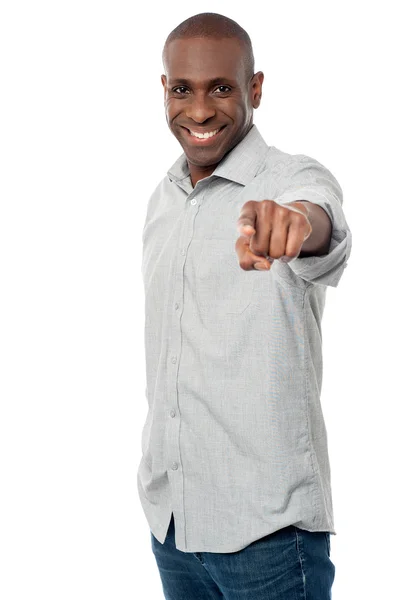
<point x="270" y="231"/>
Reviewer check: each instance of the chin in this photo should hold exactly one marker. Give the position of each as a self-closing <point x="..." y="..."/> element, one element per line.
<point x="204" y="161"/>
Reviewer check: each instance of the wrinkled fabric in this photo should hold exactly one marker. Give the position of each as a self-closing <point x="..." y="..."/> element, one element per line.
<point x="235" y="442"/>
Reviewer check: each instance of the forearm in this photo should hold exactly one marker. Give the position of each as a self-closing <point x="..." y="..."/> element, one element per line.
<point x="318" y="243"/>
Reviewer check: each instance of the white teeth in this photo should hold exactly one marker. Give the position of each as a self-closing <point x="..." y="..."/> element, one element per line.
<point x="204" y="135"/>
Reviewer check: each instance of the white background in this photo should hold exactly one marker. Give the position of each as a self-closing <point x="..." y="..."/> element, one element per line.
<point x="84" y="142"/>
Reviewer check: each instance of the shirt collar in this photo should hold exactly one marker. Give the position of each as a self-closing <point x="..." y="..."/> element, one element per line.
<point x="241" y="164"/>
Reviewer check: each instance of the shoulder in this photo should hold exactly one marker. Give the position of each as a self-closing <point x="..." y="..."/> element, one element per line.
<point x="283" y="167"/>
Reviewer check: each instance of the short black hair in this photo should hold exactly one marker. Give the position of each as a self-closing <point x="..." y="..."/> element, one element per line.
<point x="216" y="26"/>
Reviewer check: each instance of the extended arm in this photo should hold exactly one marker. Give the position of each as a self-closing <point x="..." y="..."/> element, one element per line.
<point x="318" y="242"/>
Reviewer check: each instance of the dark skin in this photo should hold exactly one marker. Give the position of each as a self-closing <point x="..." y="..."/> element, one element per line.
<point x="205" y="90"/>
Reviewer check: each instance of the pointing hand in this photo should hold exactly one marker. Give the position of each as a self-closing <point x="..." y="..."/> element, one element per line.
<point x="269" y="231"/>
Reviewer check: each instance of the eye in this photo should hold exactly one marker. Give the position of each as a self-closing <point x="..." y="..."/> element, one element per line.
<point x="177" y="90"/>
<point x="180" y="87"/>
<point x="226" y="87"/>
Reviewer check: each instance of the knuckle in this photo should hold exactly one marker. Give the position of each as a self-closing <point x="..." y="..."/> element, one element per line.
<point x="269" y="206"/>
<point x="285" y="218"/>
<point x="247" y="204"/>
<point x="256" y="248"/>
<point x="300" y="218"/>
<point x="245" y="264"/>
<point x="283" y="211"/>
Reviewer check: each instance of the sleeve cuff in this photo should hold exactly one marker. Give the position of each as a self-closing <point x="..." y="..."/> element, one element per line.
<point x="326" y="269"/>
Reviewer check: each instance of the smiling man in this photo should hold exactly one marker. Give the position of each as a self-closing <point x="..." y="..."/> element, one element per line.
<point x="240" y="242"/>
<point x="208" y="107"/>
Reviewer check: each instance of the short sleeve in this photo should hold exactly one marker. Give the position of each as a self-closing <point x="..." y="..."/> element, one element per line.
<point x="304" y="178"/>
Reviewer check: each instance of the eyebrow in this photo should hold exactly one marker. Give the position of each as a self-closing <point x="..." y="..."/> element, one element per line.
<point x="209" y="83"/>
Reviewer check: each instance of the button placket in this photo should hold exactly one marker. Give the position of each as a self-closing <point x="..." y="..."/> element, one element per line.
<point x="222" y="286"/>
<point x="172" y="440"/>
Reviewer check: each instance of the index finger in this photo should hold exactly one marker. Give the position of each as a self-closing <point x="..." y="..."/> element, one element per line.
<point x="246" y="223"/>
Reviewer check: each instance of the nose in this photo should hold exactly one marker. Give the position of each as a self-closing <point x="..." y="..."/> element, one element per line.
<point x="200" y="108"/>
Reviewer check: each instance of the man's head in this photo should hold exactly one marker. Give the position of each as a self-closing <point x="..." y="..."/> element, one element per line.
<point x="209" y="84"/>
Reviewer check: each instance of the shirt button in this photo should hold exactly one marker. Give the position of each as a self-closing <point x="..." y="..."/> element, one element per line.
<point x="174" y="466"/>
<point x="177" y="305"/>
<point x="183" y="252"/>
<point x="193" y="201"/>
<point x="173" y="359"/>
<point x="172" y="413"/>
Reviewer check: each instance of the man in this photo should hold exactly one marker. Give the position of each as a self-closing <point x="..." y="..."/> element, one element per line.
<point x="240" y="242"/>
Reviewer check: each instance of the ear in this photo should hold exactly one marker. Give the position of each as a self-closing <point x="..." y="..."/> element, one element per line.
<point x="256" y="88"/>
<point x="163" y="79"/>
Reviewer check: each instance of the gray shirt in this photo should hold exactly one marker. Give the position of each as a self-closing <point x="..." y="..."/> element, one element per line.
<point x="234" y="442"/>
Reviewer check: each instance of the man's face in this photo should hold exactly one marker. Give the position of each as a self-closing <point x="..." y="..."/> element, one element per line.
<point x="205" y="90"/>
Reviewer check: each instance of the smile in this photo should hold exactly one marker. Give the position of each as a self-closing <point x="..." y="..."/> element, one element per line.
<point x="203" y="138"/>
<point x="204" y="135"/>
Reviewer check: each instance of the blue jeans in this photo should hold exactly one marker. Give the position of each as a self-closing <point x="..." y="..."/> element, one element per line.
<point x="289" y="564"/>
